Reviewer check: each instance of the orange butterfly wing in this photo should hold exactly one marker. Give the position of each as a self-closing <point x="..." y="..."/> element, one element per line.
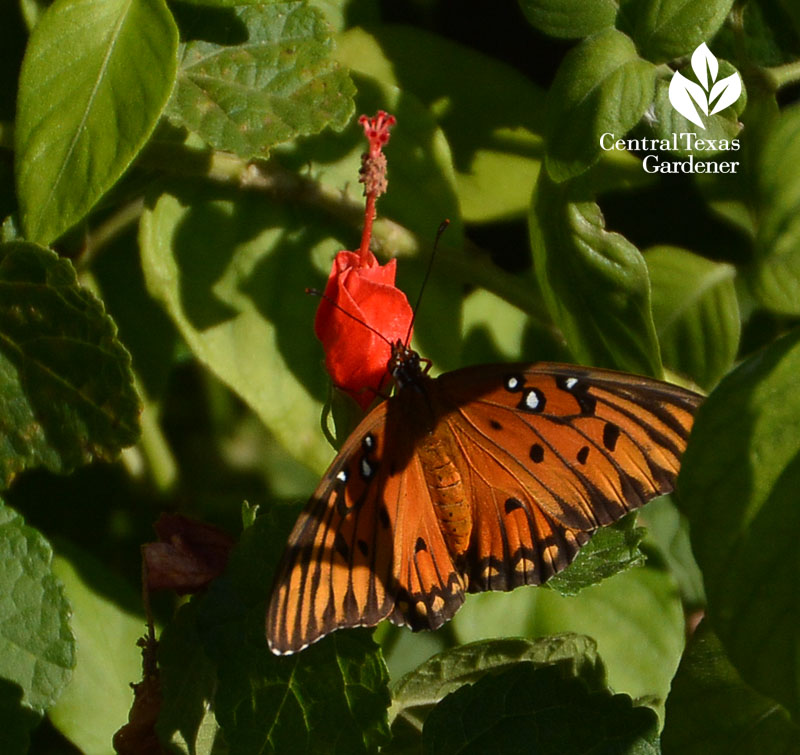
<point x="367" y="547"/>
<point x="552" y="452"/>
<point x="539" y="455"/>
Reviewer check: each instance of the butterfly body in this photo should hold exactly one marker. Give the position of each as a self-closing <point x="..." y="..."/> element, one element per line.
<point x="485" y="478"/>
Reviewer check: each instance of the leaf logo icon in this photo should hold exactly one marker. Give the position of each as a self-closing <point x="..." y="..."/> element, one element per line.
<point x="687" y="97"/>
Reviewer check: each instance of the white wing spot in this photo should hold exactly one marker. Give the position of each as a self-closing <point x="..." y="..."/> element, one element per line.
<point x="512" y="383"/>
<point x="369" y="441"/>
<point x="367" y="470"/>
<point x="571" y="383"/>
<point x="532" y="400"/>
<point x="342" y="475"/>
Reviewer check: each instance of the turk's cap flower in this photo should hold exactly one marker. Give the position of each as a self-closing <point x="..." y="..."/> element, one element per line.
<point x="361" y="314"/>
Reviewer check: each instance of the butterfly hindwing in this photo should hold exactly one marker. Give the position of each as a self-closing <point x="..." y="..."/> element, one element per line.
<point x="430" y="589"/>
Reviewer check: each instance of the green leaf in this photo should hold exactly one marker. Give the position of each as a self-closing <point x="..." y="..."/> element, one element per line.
<point x="731" y="197"/>
<point x="418" y="692"/>
<point x="66" y="388"/>
<point x="775" y="276"/>
<point x="37" y="647"/>
<point x="496" y="160"/>
<point x="594" y="282"/>
<point x="738" y="486"/>
<point x="668" y="533"/>
<point x="509" y="711"/>
<point x="108" y="660"/>
<point x="495" y="330"/>
<point x="711" y="711"/>
<point x="273" y="81"/>
<point x="602" y="86"/>
<point x="667" y="29"/>
<point x="330" y="698"/>
<point x="95" y="79"/>
<point x="635" y="617"/>
<point x="610" y="551"/>
<point x="570" y="18"/>
<point x="696" y="313"/>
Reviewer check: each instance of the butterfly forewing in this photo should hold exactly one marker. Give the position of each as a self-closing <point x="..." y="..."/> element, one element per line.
<point x="338" y="563"/>
<point x="553" y="452"/>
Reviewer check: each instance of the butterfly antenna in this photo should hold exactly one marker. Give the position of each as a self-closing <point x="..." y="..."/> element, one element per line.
<point x="317" y="292"/>
<point x="439" y="231"/>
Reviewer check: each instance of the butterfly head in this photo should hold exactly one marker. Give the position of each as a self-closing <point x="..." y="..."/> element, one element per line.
<point x="405" y="365"/>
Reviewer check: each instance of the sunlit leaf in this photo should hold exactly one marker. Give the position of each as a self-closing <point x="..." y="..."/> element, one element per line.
<point x="570" y="18"/>
<point x="233" y="273"/>
<point x="602" y="86"/>
<point x="776" y="271"/>
<point x="107" y="660"/>
<point x="635" y="617"/>
<point x="37" y="646"/>
<point x="696" y="313"/>
<point x="594" y="282"/>
<point x="272" y="81"/>
<point x="667" y="29"/>
<point x="497" y="159"/>
<point x="96" y="76"/>
<point x="610" y="551"/>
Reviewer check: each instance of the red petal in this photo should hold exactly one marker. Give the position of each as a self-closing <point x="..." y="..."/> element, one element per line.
<point x="361" y="303"/>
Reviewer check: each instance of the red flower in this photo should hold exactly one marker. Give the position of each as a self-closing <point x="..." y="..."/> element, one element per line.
<point x="362" y="311"/>
<point x="360" y="293"/>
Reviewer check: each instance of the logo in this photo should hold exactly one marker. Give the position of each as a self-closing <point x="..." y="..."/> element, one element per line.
<point x="687" y="97"/>
<point x="703" y="153"/>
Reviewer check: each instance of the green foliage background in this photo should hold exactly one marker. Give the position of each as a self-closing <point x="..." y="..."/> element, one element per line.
<point x="173" y="175"/>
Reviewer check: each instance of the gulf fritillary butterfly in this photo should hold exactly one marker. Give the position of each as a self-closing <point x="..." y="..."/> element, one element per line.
<point x="485" y="478"/>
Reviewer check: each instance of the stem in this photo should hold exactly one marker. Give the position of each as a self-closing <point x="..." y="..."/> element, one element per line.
<point x="108" y="230"/>
<point x="160" y="461"/>
<point x="369" y="217"/>
<point x="781" y="76"/>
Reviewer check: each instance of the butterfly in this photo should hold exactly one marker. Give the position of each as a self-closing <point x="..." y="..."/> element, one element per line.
<point x="485" y="478"/>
